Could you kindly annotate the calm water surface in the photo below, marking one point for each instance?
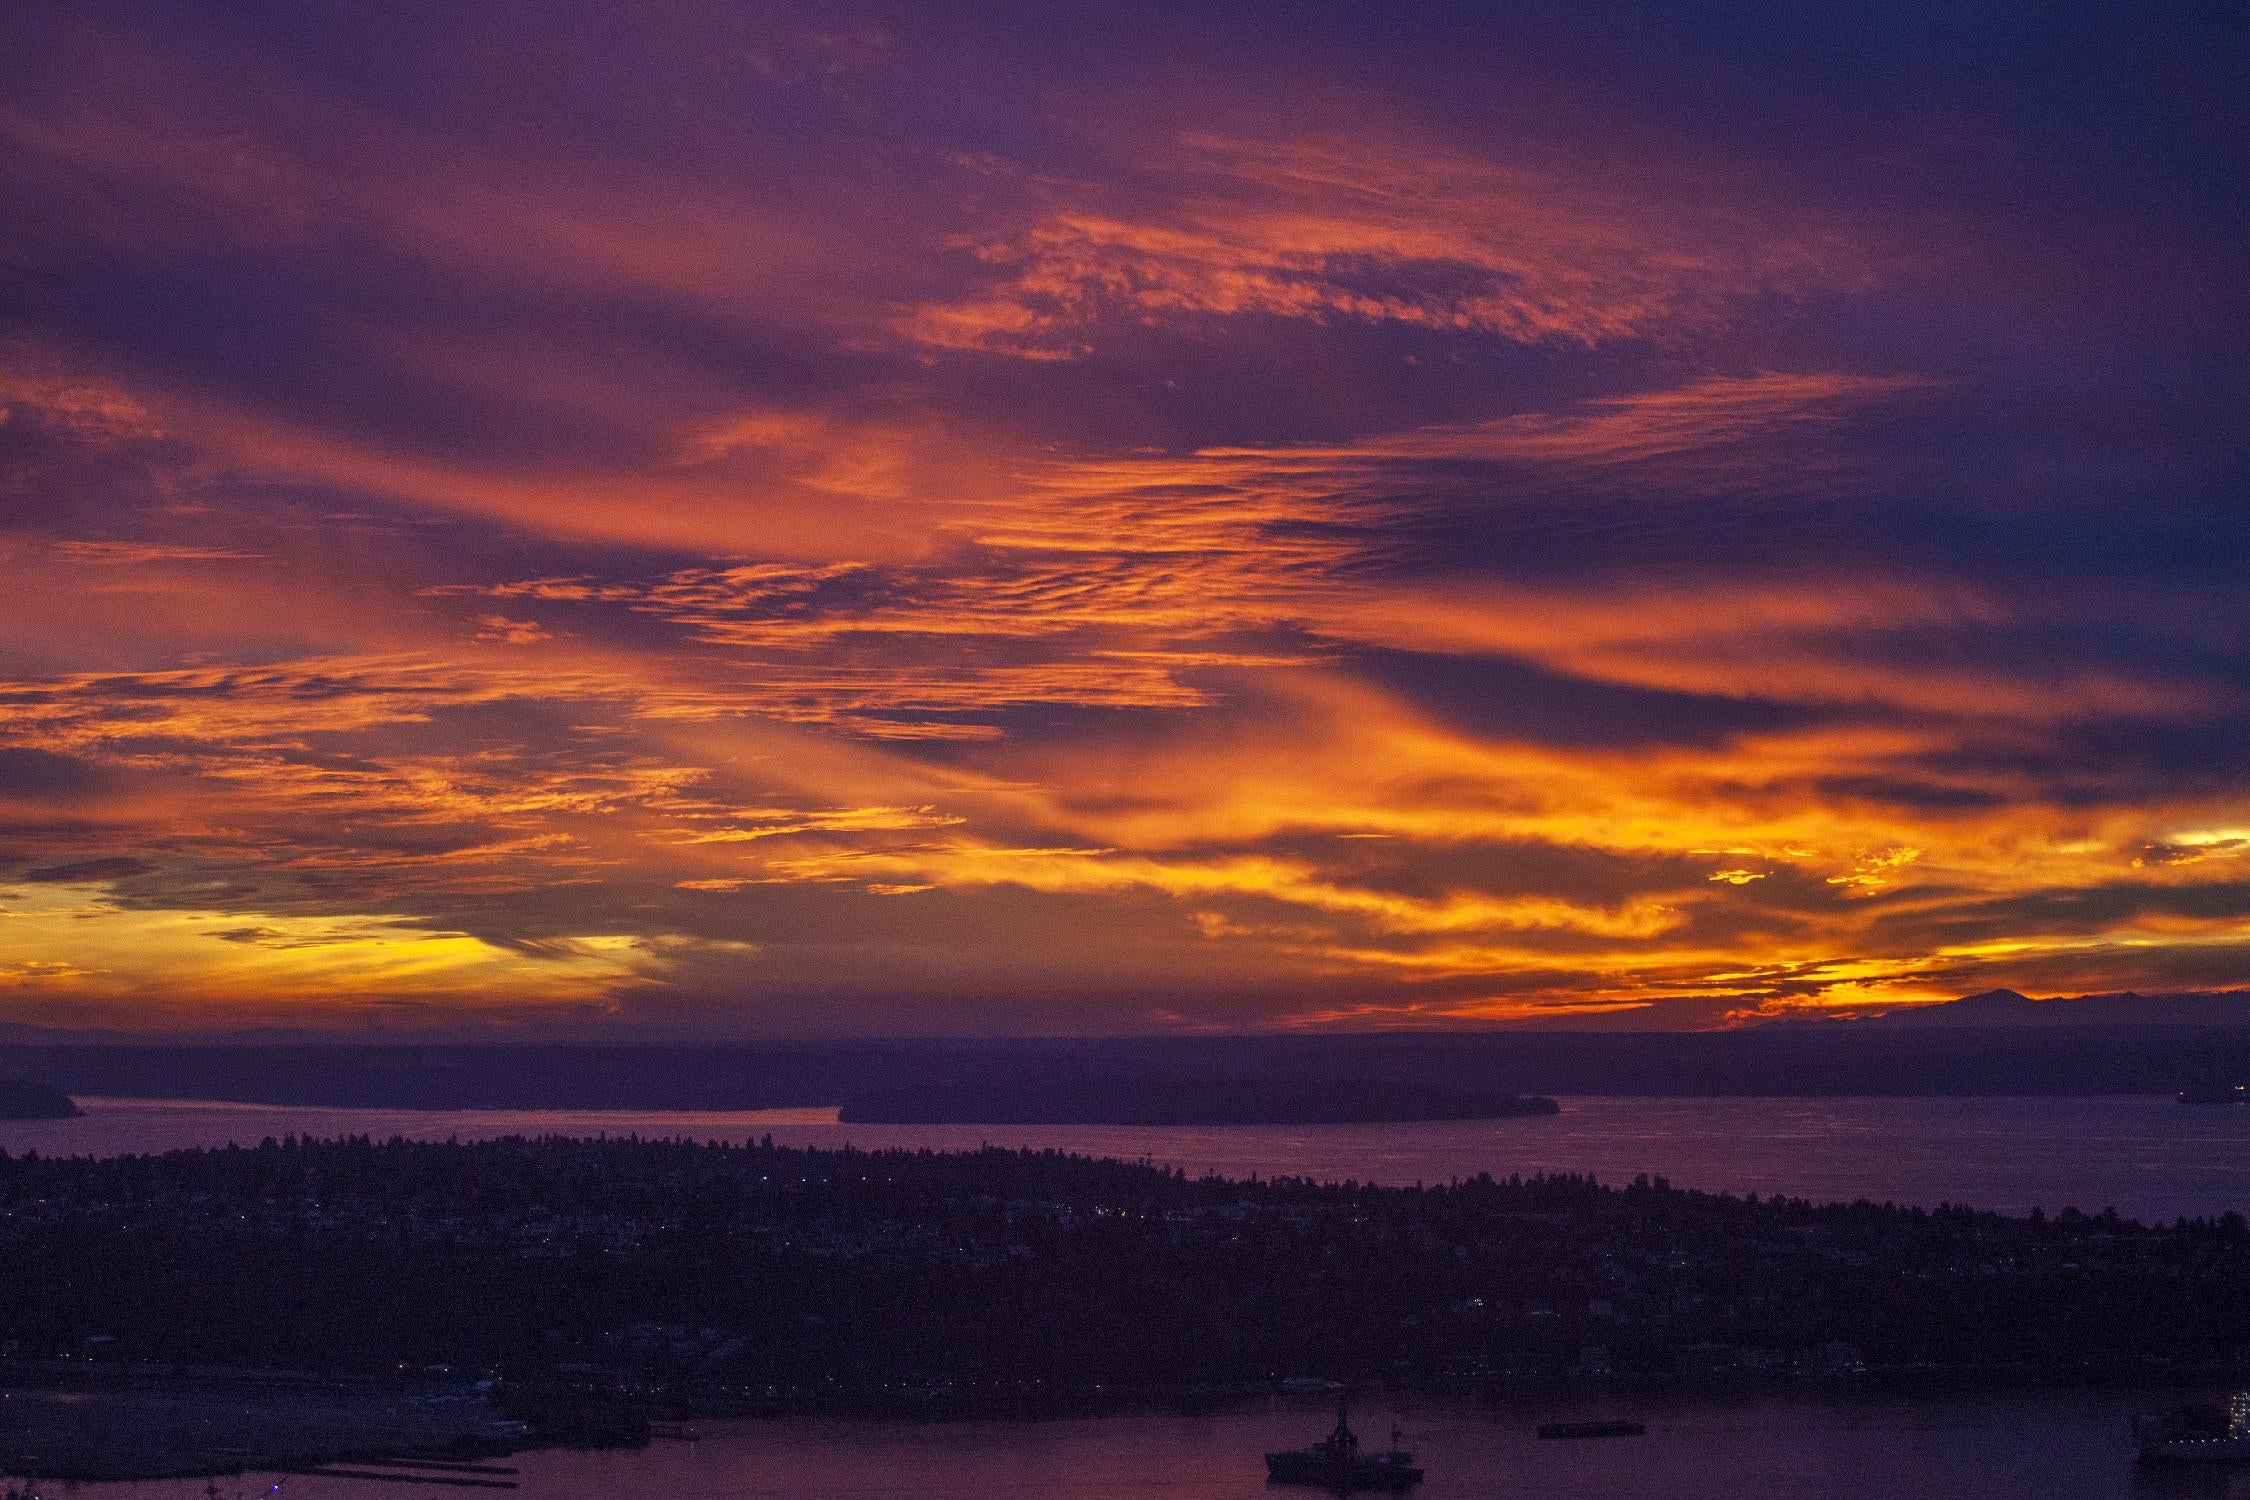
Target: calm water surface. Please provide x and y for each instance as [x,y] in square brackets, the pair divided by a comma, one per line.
[2146,1157]
[2052,1447]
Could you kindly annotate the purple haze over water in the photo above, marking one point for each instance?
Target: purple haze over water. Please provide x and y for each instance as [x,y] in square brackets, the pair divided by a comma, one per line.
[1756,1447]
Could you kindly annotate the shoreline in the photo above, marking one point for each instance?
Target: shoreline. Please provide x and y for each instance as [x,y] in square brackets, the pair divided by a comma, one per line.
[1531,1399]
[2148,1157]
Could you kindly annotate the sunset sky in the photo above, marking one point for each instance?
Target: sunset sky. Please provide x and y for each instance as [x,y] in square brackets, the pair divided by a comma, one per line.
[711,520]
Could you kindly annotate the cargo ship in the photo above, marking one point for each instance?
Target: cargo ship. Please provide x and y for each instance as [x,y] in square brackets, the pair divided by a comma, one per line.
[2204,1432]
[1337,1463]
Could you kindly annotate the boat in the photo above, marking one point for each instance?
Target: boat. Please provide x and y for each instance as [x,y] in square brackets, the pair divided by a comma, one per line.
[1591,1429]
[2216,1094]
[1337,1463]
[2202,1432]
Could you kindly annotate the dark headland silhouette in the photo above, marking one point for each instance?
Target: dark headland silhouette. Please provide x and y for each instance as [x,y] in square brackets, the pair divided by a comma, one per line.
[20,1100]
[1195,1101]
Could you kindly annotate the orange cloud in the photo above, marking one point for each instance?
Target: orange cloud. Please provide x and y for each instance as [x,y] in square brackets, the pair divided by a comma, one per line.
[1293,229]
[858,537]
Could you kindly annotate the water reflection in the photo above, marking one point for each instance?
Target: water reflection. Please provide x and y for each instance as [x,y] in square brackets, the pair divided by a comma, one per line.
[1755,1447]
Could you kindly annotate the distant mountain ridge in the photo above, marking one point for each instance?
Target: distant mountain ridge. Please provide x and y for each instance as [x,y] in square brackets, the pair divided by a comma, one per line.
[1999,1042]
[2010,1008]
[1983,1054]
[1700,1015]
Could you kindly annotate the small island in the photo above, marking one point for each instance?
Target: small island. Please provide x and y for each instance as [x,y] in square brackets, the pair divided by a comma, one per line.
[22,1100]
[1168,1101]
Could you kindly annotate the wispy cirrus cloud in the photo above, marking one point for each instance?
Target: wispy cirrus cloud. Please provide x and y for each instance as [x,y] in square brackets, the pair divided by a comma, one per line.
[1357,230]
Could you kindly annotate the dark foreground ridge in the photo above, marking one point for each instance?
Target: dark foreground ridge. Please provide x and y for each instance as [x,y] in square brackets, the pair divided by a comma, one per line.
[599,1283]
[34,1101]
[1143,1101]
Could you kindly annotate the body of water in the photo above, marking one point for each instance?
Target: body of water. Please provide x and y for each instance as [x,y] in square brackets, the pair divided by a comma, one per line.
[2145,1157]
[1759,1448]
